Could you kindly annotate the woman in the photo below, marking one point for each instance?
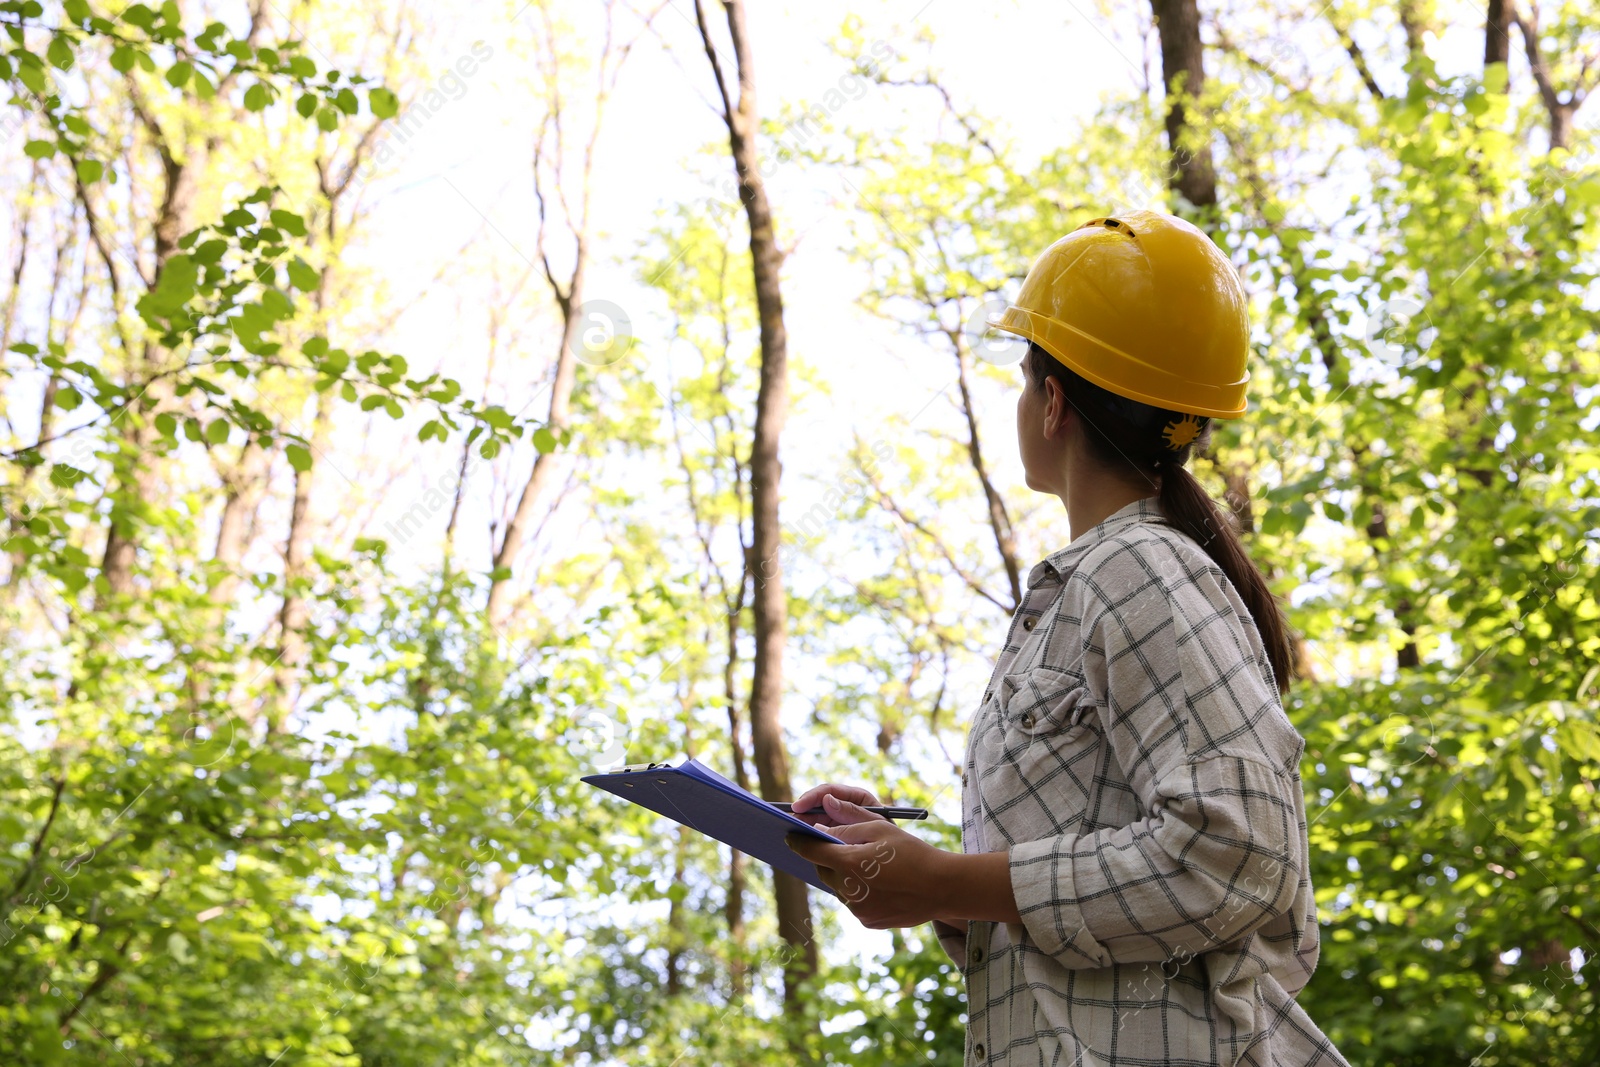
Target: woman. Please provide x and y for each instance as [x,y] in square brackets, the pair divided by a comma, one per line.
[1133,885]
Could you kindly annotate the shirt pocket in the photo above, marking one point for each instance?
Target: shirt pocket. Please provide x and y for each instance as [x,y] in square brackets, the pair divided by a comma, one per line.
[1046,754]
[1045,703]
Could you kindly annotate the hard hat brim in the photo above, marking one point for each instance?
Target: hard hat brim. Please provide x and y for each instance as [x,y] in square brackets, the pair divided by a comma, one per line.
[1088,356]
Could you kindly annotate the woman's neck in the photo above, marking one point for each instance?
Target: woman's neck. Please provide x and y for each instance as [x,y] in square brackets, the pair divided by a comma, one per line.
[1093,496]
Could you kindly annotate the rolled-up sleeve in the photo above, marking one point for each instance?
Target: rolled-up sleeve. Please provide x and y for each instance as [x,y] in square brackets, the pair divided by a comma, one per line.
[1190,715]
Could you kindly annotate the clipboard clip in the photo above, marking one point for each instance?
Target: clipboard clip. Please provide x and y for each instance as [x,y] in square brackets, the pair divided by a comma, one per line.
[627,767]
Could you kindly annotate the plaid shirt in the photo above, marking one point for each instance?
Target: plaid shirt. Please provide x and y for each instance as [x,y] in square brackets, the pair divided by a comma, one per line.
[1132,754]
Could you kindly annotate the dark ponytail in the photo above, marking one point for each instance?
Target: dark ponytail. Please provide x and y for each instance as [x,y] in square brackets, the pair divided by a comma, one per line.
[1139,438]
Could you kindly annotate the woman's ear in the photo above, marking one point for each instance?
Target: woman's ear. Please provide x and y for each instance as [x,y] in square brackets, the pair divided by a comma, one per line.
[1056,410]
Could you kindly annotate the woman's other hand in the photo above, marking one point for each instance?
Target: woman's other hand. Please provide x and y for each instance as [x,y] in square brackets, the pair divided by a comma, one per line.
[886,876]
[812,798]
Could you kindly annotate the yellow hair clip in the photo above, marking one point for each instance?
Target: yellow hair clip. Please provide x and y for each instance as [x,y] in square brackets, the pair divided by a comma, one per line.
[1182,432]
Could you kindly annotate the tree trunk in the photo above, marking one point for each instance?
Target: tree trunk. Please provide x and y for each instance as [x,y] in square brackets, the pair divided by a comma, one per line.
[734,908]
[1183,73]
[999,518]
[570,302]
[1559,110]
[243,484]
[8,316]
[772,407]
[1497,31]
[134,478]
[134,483]
[676,937]
[521,523]
[1413,20]
[296,552]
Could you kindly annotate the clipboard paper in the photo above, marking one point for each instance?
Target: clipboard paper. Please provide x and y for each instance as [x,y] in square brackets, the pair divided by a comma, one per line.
[701,799]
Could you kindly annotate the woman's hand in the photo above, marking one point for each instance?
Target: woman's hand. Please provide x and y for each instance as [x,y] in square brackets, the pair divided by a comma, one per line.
[887,877]
[812,798]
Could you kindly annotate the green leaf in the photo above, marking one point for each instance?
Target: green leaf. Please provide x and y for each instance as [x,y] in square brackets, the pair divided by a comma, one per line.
[384,104]
[174,288]
[288,220]
[59,52]
[544,440]
[209,252]
[346,101]
[39,149]
[65,476]
[327,119]
[217,432]
[68,398]
[90,170]
[306,105]
[179,73]
[305,278]
[32,76]
[277,305]
[257,97]
[299,457]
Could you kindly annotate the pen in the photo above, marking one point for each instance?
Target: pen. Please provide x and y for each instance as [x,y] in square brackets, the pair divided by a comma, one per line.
[888,813]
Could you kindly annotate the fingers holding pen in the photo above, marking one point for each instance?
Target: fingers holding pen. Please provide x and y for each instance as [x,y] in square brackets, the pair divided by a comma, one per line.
[855,794]
[821,796]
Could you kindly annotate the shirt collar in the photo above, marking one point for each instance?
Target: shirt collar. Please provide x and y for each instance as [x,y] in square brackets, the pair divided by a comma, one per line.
[1058,564]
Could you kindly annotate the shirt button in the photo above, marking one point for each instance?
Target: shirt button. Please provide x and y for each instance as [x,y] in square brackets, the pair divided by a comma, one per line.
[1027,722]
[1028,624]
[978,1051]
[977,955]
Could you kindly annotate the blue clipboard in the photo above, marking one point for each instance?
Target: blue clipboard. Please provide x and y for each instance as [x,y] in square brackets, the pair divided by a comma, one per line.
[703,800]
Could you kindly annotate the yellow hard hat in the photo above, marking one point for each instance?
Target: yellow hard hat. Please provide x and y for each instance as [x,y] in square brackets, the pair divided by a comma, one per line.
[1142,304]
